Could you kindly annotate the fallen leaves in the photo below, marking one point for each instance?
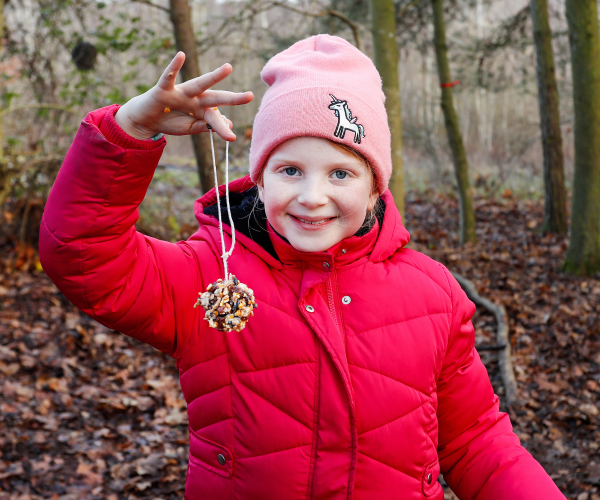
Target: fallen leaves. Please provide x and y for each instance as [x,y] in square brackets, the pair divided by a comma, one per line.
[85,412]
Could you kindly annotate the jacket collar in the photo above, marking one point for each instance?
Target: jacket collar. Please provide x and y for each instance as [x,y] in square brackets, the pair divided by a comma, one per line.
[378,244]
[345,252]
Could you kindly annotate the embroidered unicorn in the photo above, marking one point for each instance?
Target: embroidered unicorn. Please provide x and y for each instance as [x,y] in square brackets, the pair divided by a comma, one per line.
[345,120]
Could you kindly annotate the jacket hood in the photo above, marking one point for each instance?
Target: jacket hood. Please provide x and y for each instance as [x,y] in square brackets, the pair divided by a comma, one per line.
[392,233]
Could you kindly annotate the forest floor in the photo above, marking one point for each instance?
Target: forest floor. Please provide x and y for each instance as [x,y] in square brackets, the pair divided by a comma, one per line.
[86,413]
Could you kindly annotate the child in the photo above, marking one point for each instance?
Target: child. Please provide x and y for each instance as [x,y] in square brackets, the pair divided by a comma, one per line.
[357,377]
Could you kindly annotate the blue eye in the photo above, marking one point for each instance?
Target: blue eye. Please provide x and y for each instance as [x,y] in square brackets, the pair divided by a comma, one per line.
[291,170]
[340,174]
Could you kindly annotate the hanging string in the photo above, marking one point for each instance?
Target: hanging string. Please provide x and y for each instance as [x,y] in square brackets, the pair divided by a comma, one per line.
[228,303]
[226,254]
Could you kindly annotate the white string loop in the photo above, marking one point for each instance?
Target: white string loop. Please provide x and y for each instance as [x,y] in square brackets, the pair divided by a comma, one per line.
[226,254]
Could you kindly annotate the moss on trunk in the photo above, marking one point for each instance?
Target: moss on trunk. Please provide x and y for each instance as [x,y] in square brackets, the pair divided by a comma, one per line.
[555,207]
[383,27]
[459,155]
[583,255]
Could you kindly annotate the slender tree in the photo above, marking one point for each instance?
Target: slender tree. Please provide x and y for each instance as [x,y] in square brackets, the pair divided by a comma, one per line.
[383,27]
[184,39]
[1,47]
[555,207]
[583,255]
[459,155]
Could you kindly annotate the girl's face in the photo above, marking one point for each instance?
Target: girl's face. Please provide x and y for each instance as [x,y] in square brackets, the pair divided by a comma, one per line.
[315,194]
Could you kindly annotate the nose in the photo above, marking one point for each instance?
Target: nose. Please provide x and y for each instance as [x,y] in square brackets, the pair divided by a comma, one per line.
[313,194]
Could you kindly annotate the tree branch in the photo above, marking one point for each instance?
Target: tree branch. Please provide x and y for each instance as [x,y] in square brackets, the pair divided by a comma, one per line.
[323,13]
[504,355]
[148,2]
[206,43]
[403,10]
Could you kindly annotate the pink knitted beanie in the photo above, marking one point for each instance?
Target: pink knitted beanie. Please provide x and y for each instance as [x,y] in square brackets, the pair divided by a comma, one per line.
[323,87]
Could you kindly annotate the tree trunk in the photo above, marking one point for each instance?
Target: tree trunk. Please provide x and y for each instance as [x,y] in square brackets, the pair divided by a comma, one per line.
[383,27]
[459,155]
[555,207]
[583,255]
[1,47]
[184,39]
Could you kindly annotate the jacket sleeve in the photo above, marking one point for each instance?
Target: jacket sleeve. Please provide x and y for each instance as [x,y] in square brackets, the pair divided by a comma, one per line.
[140,286]
[480,456]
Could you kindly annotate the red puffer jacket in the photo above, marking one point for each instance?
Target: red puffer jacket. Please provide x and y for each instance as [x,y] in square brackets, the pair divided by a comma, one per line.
[356,378]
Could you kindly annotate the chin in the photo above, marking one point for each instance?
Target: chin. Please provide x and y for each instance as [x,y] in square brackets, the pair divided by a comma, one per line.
[310,245]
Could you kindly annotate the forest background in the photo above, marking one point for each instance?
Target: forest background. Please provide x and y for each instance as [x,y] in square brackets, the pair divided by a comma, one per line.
[86,413]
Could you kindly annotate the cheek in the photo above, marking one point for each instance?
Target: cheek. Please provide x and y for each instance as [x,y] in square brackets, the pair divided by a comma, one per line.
[354,202]
[275,199]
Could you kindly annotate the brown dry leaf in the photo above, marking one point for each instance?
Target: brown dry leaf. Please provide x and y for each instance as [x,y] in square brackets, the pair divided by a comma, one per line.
[89,476]
[567,310]
[176,417]
[9,370]
[42,465]
[173,399]
[589,409]
[13,470]
[23,391]
[545,385]
[151,465]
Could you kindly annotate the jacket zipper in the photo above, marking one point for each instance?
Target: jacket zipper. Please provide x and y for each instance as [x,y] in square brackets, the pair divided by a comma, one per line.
[331,286]
[330,283]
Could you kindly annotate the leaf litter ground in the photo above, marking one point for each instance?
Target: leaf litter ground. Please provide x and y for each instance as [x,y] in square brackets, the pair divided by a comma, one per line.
[87,413]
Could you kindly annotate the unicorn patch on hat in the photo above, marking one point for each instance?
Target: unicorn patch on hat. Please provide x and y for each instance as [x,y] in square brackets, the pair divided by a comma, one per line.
[345,120]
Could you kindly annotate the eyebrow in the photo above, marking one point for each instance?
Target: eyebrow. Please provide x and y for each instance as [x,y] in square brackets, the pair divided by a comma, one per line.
[283,159]
[350,163]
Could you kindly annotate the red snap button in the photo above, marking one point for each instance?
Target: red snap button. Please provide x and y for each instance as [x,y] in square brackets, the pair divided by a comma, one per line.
[429,478]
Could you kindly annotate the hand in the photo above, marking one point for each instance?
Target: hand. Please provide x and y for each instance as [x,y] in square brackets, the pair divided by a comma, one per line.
[181,109]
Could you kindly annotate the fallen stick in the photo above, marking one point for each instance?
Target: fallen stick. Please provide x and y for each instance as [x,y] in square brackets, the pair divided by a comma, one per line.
[504,355]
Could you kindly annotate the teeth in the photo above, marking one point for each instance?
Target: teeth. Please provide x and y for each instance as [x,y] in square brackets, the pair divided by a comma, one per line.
[309,222]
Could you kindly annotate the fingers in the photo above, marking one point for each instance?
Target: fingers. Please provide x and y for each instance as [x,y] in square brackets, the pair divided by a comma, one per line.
[201,126]
[219,123]
[212,98]
[196,86]
[169,76]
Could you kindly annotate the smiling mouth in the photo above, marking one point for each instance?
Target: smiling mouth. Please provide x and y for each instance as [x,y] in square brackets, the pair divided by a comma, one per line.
[314,223]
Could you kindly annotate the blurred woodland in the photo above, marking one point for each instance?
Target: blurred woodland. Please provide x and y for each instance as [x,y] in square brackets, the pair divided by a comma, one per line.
[494,108]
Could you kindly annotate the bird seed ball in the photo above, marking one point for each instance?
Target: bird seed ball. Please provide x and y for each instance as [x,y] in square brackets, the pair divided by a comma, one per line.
[228,304]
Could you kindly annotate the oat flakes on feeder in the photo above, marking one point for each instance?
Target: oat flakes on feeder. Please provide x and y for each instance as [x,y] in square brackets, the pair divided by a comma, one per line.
[228,304]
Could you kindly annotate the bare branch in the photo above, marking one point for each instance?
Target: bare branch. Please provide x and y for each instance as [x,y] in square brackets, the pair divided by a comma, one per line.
[504,353]
[403,10]
[350,24]
[148,2]
[323,13]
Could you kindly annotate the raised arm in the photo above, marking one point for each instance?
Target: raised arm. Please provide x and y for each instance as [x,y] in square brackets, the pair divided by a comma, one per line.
[89,247]
[480,456]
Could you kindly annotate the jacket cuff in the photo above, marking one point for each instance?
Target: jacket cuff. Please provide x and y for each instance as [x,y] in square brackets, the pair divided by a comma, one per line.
[115,134]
